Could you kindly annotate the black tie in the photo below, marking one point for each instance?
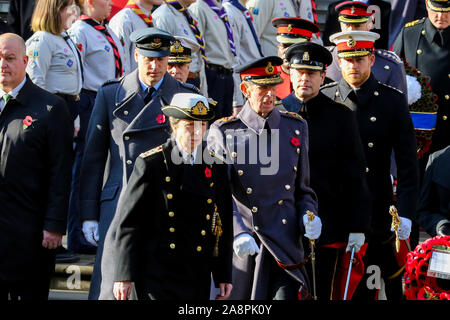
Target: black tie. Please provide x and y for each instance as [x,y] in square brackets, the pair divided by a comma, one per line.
[148,97]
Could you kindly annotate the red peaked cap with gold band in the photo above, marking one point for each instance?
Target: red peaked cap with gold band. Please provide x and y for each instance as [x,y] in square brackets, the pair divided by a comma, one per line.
[294,30]
[353,12]
[354,43]
[263,71]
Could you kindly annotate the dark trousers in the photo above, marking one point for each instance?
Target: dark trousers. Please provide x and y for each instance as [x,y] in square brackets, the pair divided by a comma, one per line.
[75,238]
[281,285]
[381,254]
[36,284]
[221,89]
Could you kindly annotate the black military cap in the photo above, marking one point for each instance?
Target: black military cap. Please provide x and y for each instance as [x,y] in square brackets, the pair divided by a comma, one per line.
[190,106]
[294,30]
[182,49]
[263,71]
[439,5]
[353,12]
[152,42]
[308,55]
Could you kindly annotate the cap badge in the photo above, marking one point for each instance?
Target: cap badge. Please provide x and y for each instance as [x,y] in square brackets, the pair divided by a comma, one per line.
[269,69]
[353,10]
[156,43]
[351,42]
[305,56]
[289,27]
[199,109]
[176,47]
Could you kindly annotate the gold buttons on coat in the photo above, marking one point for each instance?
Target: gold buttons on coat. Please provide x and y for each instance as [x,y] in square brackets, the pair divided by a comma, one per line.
[126,138]
[199,249]
[234,154]
[444,118]
[208,217]
[172,230]
[125,112]
[167,179]
[280,202]
[129,162]
[171,214]
[337,94]
[423,32]
[169,196]
[376,93]
[240,172]
[367,169]
[256,228]
[287,187]
[284,221]
[295,168]
[249,190]
[211,184]
[419,51]
[370,144]
[254,209]
[298,150]
[209,201]
[172,246]
[229,136]
[386,67]
[203,233]
[373,119]
[297,132]
[447,97]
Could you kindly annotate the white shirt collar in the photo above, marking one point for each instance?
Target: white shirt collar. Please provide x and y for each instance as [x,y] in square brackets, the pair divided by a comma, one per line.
[187,157]
[14,92]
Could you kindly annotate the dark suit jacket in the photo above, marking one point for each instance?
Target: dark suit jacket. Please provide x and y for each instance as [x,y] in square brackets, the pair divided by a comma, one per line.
[332,24]
[337,166]
[19,17]
[165,243]
[434,202]
[35,175]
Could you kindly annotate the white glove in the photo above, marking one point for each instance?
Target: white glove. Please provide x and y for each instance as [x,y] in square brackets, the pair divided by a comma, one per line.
[245,245]
[355,240]
[312,228]
[90,231]
[405,228]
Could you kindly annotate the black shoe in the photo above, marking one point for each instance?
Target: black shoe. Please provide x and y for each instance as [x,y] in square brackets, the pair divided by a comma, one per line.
[65,256]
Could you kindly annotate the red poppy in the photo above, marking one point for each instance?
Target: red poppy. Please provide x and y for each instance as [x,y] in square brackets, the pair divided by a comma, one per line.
[161,118]
[80,47]
[208,173]
[27,122]
[295,141]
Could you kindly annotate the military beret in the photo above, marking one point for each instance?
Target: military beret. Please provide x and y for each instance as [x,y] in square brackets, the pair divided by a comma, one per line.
[294,30]
[152,42]
[354,43]
[353,12]
[308,55]
[190,106]
[439,5]
[263,71]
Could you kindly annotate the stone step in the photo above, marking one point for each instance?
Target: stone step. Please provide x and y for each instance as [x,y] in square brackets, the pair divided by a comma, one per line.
[73,276]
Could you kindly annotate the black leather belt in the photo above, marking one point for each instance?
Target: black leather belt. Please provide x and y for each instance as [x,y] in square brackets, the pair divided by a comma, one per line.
[69,97]
[219,69]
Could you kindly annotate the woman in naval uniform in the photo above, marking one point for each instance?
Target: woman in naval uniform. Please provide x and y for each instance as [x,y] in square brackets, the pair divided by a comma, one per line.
[175,216]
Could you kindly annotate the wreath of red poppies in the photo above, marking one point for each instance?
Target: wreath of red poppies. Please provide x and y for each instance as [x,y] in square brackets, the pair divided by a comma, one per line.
[419,286]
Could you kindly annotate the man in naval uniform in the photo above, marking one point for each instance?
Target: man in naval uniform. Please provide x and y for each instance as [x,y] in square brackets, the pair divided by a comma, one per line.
[384,124]
[388,68]
[337,162]
[180,57]
[267,153]
[126,120]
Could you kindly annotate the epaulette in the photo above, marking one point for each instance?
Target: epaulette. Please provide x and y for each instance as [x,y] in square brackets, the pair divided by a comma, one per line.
[329,85]
[190,87]
[291,114]
[111,81]
[390,55]
[386,85]
[151,152]
[412,23]
[225,119]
